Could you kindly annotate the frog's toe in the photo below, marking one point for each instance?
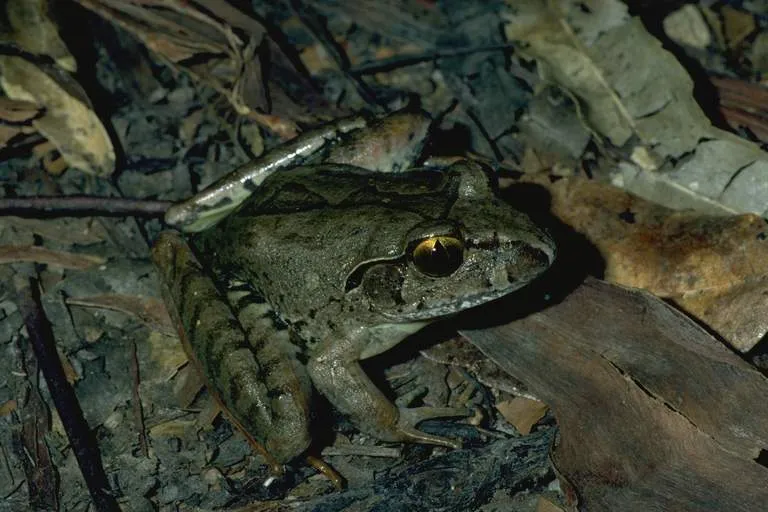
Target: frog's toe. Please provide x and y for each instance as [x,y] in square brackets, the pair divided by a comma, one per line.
[411,417]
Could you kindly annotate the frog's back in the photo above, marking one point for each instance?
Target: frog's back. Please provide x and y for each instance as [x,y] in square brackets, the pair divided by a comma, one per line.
[305,230]
[337,186]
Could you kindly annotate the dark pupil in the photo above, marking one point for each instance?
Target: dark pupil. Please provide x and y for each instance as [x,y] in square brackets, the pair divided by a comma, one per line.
[439,260]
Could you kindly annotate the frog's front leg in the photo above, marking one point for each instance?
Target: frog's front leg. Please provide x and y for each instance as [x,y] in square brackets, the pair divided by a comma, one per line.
[260,387]
[336,372]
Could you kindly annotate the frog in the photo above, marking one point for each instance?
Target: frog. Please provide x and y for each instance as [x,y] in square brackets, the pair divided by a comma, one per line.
[329,256]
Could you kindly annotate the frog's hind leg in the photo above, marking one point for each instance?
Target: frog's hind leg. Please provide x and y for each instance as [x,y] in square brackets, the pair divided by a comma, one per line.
[289,388]
[336,373]
[257,386]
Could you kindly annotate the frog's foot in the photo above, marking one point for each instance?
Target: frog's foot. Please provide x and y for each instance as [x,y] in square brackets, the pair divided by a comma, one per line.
[409,418]
[345,384]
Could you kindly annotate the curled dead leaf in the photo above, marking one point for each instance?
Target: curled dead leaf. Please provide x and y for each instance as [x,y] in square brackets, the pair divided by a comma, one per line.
[714,267]
[224,48]
[36,254]
[32,29]
[69,121]
[191,38]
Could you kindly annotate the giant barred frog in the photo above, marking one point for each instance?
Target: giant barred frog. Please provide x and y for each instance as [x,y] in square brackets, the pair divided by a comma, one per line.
[330,263]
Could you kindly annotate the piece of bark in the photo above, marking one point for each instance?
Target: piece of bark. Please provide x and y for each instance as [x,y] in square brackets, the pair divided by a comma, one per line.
[654,413]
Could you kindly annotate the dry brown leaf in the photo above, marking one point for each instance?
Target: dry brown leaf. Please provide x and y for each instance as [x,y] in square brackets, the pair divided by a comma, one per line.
[66,230]
[92,334]
[738,25]
[190,383]
[172,428]
[208,413]
[687,26]
[736,313]
[167,352]
[35,254]
[316,58]
[190,125]
[69,371]
[69,121]
[216,44]
[191,39]
[523,413]
[653,247]
[149,310]
[251,137]
[635,94]
[544,505]
[8,407]
[712,266]
[32,29]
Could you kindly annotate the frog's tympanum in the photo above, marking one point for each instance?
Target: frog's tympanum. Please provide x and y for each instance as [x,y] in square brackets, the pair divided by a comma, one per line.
[331,262]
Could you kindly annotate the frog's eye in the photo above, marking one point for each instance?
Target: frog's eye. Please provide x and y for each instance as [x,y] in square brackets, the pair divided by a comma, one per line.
[438,256]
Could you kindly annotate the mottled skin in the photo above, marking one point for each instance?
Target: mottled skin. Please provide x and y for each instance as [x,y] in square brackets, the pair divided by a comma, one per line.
[321,274]
[388,144]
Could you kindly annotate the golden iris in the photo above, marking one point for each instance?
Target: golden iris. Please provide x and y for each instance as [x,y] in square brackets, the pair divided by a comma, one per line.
[438,256]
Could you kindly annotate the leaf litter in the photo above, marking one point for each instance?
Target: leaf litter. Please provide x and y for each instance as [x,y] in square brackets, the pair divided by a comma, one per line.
[579,92]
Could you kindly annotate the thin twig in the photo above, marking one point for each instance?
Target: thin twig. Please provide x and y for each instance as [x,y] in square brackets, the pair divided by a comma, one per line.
[363,450]
[138,413]
[77,206]
[399,61]
[318,28]
[79,434]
